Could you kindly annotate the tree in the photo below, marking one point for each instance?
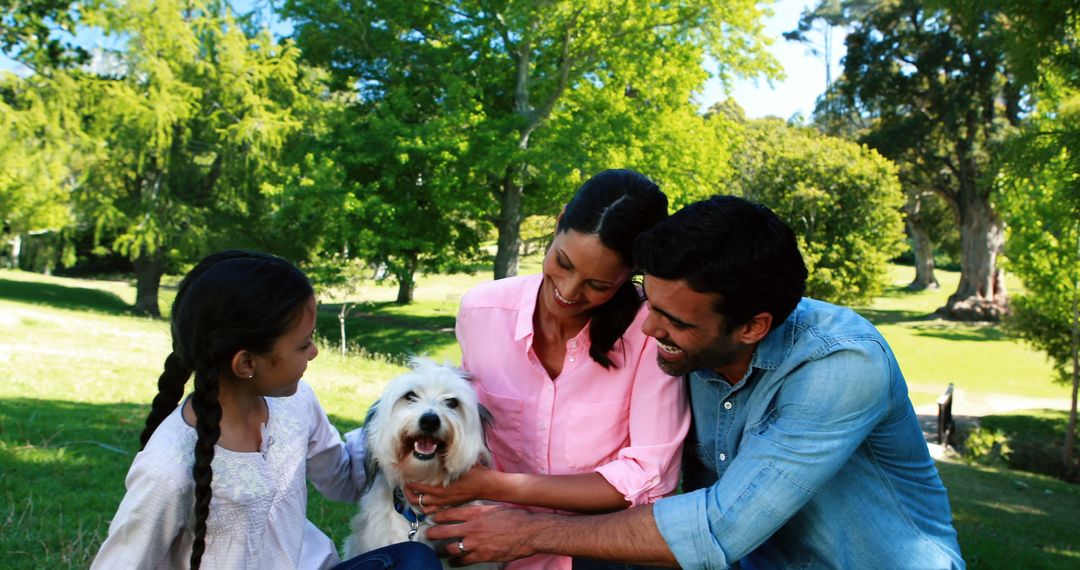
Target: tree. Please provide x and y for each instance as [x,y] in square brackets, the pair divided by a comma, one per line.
[935,81]
[1040,192]
[841,198]
[29,30]
[505,71]
[1042,205]
[40,154]
[191,128]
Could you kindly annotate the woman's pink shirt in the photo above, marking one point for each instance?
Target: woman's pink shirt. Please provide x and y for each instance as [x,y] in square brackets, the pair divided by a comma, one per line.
[626,423]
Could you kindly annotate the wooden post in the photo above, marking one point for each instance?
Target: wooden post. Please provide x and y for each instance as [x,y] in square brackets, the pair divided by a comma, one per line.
[945,422]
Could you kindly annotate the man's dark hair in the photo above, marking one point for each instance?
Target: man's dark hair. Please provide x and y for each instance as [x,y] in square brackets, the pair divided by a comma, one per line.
[730,246]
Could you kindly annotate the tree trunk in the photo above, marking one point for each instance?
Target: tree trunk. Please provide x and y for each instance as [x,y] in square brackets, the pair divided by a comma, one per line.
[407,280]
[923,249]
[506,256]
[1070,431]
[16,250]
[980,295]
[149,268]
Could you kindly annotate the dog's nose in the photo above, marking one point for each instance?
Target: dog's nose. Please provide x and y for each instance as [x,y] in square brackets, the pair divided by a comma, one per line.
[429,422]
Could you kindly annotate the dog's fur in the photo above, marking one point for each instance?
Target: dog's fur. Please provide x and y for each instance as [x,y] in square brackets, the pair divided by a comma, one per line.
[426,427]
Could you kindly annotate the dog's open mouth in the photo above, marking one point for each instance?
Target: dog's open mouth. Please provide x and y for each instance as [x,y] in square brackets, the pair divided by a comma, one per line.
[426,448]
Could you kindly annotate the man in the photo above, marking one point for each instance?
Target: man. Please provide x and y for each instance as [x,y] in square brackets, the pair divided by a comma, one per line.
[805,450]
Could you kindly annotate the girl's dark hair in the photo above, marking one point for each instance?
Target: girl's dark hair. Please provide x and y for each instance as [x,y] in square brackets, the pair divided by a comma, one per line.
[615,206]
[232,300]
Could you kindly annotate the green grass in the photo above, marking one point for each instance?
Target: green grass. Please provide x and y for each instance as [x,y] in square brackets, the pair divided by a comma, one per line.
[976,357]
[1012,519]
[79,372]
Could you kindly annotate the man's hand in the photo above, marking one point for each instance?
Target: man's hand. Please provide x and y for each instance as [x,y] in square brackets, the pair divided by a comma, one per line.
[490,533]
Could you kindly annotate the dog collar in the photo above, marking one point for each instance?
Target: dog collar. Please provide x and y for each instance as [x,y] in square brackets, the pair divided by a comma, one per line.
[405,509]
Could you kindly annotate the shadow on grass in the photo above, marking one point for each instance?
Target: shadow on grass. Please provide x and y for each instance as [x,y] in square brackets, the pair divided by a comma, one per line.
[1037,440]
[1011,519]
[62,297]
[62,468]
[377,328]
[952,330]
[889,317]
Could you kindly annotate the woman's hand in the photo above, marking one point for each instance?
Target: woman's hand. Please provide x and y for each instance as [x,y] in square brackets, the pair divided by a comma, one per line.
[477,483]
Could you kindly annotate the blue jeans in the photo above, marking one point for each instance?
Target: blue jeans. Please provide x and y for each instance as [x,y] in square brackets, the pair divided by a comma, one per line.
[400,556]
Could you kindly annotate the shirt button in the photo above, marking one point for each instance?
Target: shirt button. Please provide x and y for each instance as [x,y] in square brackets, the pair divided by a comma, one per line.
[727,405]
[571,359]
[573,344]
[723,457]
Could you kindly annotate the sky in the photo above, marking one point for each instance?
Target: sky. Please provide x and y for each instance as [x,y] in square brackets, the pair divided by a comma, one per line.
[805,73]
[804,81]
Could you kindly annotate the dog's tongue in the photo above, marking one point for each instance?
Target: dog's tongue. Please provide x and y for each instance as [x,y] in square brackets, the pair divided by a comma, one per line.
[425,446]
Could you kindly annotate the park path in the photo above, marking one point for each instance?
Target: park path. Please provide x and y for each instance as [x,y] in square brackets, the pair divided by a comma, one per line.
[968,408]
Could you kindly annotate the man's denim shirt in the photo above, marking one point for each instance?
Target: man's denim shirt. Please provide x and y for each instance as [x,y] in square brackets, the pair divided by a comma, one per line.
[814,459]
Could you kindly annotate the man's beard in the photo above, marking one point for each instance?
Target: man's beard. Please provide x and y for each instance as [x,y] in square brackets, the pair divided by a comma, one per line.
[711,358]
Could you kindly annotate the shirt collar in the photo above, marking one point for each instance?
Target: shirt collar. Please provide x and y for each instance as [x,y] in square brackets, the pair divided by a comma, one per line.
[776,346]
[527,306]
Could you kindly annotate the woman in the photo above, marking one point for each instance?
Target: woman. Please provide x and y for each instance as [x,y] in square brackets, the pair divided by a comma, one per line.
[585,420]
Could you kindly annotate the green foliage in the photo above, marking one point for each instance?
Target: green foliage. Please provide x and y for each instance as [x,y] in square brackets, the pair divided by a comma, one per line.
[932,88]
[40,144]
[987,447]
[842,200]
[37,32]
[1039,182]
[1042,205]
[194,136]
[471,115]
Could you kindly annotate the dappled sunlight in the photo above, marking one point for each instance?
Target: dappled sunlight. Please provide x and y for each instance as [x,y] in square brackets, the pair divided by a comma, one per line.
[1014,508]
[1000,514]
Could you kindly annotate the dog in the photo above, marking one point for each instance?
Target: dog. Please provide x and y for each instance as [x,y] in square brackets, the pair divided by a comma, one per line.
[427,426]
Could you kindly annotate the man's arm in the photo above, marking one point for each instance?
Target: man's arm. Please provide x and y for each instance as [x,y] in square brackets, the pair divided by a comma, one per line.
[498,534]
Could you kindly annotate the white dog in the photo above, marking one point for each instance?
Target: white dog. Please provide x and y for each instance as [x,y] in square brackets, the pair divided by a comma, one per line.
[427,427]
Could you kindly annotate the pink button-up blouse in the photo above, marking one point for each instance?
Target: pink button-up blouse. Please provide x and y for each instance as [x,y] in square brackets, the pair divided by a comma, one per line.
[626,423]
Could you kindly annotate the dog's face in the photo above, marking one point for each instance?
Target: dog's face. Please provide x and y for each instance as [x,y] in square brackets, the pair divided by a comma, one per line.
[427,426]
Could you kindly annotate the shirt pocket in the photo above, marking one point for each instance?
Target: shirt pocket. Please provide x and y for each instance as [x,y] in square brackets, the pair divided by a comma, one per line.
[595,433]
[506,437]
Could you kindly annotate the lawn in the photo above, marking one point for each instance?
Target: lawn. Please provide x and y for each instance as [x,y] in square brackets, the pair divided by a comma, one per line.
[79,373]
[977,357]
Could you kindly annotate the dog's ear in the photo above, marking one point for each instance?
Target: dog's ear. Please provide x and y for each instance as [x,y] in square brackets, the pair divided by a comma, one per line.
[371,464]
[465,374]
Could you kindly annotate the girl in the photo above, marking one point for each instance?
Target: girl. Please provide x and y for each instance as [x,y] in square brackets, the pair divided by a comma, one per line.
[585,420]
[221,479]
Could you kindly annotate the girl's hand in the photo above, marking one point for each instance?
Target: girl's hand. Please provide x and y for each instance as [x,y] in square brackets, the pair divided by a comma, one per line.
[477,483]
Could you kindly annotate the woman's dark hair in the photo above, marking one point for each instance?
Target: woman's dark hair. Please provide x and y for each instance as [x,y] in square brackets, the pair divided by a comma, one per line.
[730,246]
[232,300]
[615,206]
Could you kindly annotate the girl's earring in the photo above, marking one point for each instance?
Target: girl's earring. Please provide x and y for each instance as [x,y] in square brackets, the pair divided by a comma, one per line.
[250,376]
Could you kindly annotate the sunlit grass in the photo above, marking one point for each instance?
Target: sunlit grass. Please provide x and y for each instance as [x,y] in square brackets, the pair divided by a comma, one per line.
[933,352]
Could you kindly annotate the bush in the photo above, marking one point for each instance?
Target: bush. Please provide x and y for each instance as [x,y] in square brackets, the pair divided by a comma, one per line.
[842,200]
[1036,438]
[987,447]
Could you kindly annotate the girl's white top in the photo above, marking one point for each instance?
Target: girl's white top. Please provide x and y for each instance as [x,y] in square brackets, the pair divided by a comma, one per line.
[258,513]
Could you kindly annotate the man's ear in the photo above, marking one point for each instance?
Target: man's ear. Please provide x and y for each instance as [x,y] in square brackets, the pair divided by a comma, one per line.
[243,364]
[756,328]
